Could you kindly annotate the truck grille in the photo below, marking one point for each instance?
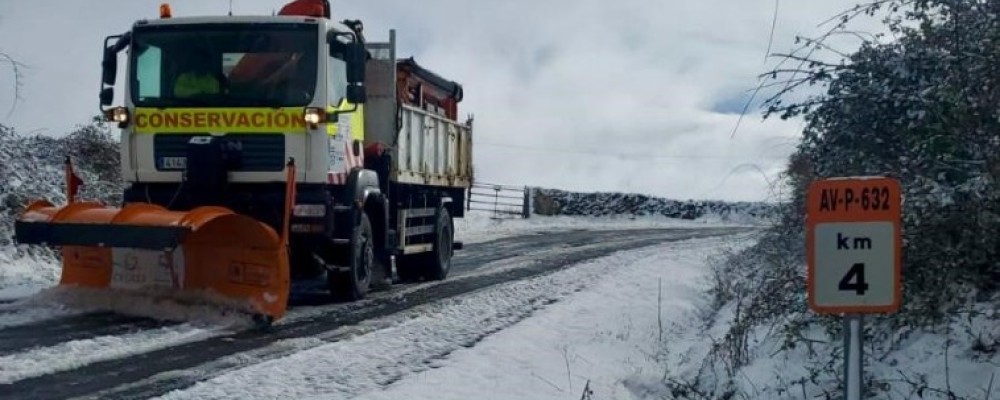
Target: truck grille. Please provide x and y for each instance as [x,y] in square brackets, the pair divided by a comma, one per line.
[260,152]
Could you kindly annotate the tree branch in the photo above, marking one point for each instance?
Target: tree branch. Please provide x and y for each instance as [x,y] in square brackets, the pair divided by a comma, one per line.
[17,67]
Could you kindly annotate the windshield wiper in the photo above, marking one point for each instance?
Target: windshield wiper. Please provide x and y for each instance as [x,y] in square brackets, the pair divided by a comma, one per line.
[268,102]
[175,102]
[206,101]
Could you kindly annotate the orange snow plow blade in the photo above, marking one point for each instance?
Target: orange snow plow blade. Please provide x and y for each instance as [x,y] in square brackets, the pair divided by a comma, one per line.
[208,251]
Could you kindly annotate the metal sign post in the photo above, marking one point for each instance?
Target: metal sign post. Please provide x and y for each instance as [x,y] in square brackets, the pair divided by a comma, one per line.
[853,350]
[853,245]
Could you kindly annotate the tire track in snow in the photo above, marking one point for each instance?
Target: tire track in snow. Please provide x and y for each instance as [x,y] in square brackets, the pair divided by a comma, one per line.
[76,353]
[43,318]
[49,333]
[415,340]
[160,371]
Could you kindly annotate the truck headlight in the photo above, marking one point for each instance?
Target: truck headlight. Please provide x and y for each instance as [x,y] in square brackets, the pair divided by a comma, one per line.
[309,210]
[313,116]
[117,114]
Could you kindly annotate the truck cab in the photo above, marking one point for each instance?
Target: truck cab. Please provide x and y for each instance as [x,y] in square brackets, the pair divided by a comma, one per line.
[217,109]
[271,87]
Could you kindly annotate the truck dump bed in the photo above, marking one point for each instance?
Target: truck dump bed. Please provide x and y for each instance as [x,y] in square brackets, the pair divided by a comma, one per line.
[413,112]
[432,150]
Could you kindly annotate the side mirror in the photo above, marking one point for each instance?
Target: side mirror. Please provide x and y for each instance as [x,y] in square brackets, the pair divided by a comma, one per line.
[356,94]
[109,67]
[355,56]
[107,96]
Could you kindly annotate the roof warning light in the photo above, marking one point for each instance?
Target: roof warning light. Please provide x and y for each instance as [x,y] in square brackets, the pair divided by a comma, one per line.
[165,10]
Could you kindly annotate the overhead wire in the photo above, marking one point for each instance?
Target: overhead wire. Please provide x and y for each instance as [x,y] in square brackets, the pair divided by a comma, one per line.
[606,153]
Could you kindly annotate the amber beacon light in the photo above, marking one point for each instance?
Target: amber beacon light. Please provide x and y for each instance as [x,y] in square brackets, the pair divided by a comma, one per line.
[165,10]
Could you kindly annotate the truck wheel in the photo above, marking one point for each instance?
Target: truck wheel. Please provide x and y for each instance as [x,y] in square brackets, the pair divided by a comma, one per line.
[355,283]
[439,260]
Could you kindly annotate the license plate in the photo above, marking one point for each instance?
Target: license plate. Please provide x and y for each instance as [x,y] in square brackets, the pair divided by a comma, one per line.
[173,162]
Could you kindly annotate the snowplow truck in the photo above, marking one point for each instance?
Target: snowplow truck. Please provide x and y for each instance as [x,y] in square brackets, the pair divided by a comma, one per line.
[262,150]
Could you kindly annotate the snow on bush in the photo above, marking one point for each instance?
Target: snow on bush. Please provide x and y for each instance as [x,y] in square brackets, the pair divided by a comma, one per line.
[922,107]
[560,202]
[32,168]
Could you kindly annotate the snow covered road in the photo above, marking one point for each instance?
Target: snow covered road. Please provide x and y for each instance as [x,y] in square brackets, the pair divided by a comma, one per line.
[543,337]
[347,350]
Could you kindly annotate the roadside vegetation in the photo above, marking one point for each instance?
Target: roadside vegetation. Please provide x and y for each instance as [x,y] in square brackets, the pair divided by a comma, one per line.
[920,103]
[33,168]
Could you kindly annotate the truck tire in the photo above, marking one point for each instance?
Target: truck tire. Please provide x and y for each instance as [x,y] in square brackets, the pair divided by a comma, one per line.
[354,284]
[435,264]
[439,260]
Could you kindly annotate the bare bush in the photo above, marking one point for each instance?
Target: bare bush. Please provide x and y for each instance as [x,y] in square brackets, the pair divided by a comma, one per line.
[33,168]
[17,72]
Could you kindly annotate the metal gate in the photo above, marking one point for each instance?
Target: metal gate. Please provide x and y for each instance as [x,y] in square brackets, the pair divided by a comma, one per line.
[503,201]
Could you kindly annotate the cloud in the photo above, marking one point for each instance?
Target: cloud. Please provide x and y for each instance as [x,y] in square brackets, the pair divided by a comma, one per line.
[634,95]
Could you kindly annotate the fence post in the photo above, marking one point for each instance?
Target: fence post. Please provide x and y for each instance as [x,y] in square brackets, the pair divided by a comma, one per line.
[468,197]
[526,210]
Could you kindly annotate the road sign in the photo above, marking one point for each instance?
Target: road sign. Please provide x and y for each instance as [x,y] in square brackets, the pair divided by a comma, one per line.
[853,245]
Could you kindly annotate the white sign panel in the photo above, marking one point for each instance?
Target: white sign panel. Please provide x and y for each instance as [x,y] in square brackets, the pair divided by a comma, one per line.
[339,144]
[855,264]
[137,269]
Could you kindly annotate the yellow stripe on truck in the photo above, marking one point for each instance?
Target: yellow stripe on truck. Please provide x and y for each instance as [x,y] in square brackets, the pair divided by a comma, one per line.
[229,120]
[356,119]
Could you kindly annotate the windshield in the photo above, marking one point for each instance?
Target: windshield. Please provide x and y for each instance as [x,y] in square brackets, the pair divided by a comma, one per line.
[219,65]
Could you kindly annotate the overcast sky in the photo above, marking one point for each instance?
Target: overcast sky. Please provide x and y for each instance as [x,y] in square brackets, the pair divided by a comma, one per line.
[626,95]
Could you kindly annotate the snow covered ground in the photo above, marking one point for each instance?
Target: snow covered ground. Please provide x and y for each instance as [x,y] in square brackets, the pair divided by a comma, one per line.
[599,324]
[931,363]
[478,226]
[22,277]
[76,353]
[535,339]
[602,338]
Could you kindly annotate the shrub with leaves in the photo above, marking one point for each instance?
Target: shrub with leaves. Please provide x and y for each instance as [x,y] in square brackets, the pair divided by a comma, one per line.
[921,104]
[561,202]
[925,109]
